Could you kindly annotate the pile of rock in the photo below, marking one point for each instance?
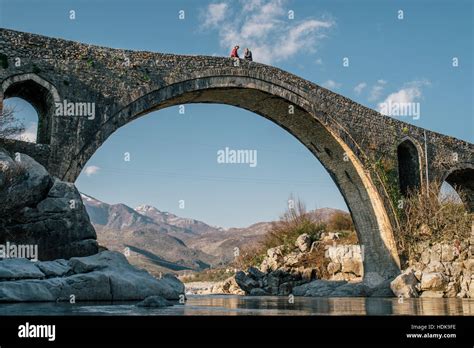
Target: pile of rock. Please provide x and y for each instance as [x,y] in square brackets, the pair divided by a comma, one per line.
[346,262]
[106,276]
[442,270]
[278,282]
[37,209]
[280,273]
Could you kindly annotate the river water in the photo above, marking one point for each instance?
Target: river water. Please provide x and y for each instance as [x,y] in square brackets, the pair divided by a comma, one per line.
[266,305]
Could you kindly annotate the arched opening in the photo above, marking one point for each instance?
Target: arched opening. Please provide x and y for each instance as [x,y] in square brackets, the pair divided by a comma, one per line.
[448,193]
[186,212]
[263,98]
[461,185]
[19,120]
[408,167]
[41,95]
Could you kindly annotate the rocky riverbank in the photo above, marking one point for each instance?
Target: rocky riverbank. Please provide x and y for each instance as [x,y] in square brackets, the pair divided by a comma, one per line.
[106,276]
[441,270]
[311,269]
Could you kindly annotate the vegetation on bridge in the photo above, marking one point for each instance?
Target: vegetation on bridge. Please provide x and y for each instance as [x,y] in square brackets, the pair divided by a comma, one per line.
[431,217]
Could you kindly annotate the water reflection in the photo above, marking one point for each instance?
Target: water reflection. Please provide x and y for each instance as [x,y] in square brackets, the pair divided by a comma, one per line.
[268,305]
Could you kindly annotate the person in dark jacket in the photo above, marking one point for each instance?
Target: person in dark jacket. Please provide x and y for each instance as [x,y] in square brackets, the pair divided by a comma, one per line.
[235,53]
[248,55]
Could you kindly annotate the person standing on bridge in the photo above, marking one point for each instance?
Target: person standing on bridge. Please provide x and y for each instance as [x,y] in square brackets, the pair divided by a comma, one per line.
[248,55]
[235,53]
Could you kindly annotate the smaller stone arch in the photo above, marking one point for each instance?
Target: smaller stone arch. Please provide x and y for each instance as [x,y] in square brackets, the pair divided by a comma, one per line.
[461,178]
[409,165]
[41,94]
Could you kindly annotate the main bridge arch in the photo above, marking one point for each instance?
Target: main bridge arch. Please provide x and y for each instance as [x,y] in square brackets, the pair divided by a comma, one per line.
[292,110]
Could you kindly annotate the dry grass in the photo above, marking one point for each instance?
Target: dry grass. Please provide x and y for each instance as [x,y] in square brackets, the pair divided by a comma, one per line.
[12,173]
[293,223]
[428,217]
[340,221]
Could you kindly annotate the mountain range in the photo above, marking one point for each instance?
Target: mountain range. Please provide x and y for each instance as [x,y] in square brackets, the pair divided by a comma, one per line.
[163,242]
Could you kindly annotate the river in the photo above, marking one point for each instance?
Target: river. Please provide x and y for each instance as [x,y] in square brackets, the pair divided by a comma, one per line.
[246,305]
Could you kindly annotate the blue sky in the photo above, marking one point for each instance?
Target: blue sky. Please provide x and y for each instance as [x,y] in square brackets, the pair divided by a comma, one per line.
[173,156]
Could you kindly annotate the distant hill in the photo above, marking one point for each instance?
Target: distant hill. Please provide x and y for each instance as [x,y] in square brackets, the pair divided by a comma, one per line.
[163,242]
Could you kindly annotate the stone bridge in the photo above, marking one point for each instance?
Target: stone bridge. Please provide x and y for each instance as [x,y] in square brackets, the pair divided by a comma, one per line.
[370,157]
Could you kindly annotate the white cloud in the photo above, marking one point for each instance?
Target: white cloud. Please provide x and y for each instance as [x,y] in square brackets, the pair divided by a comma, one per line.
[377,90]
[215,14]
[91,170]
[411,92]
[319,61]
[330,84]
[30,132]
[263,26]
[359,88]
[301,37]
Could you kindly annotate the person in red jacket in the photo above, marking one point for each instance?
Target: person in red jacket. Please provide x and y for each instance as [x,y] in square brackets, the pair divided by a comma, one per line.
[235,53]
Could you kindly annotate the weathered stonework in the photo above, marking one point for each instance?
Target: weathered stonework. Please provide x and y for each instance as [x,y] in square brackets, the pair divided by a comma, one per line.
[346,137]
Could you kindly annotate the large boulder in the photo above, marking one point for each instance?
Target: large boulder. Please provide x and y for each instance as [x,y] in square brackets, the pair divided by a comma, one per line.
[23,182]
[106,276]
[40,210]
[433,281]
[245,282]
[405,285]
[228,286]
